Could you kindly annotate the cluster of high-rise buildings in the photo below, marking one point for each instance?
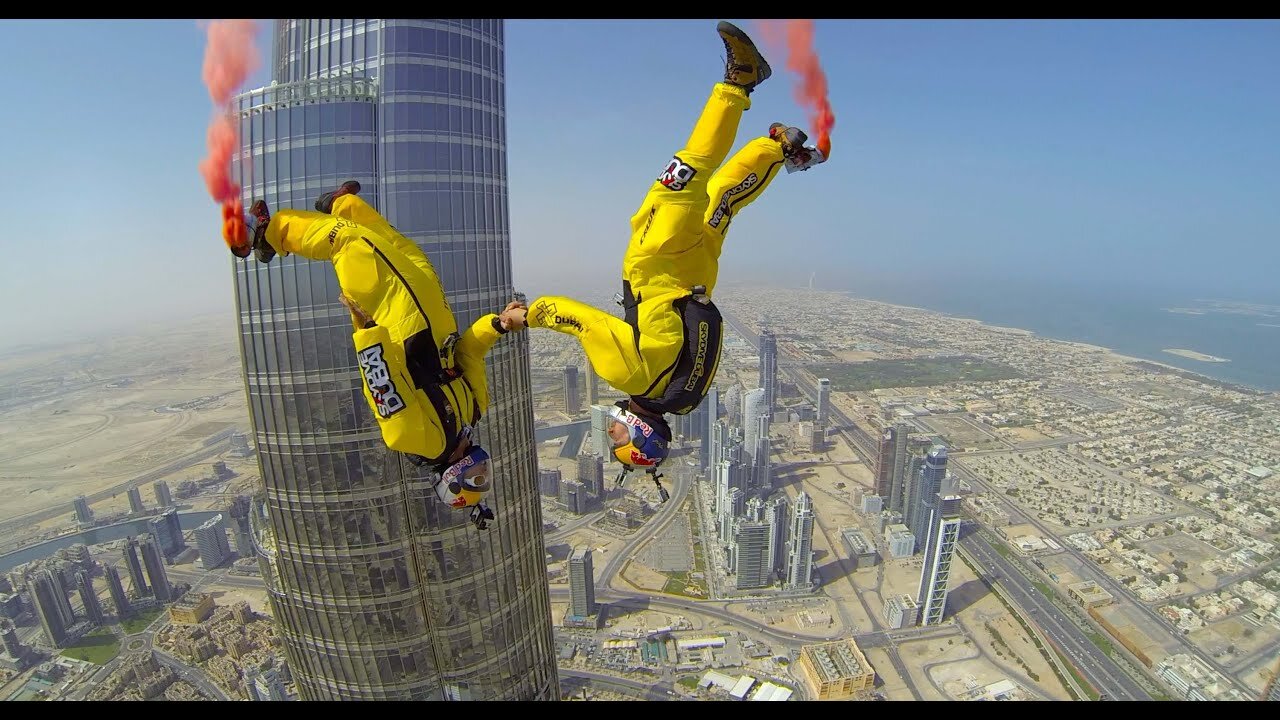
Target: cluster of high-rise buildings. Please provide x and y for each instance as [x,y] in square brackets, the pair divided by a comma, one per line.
[919,511]
[164,499]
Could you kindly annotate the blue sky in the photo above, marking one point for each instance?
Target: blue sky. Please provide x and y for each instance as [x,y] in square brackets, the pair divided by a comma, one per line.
[1072,153]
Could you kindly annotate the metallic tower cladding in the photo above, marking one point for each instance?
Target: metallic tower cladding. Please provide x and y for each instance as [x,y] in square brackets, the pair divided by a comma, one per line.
[380,591]
[769,369]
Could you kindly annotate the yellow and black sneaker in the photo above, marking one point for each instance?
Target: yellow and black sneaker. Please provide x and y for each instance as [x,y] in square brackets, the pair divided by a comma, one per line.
[744,65]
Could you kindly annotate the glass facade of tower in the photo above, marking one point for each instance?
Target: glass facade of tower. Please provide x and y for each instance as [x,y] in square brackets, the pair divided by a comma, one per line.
[381,591]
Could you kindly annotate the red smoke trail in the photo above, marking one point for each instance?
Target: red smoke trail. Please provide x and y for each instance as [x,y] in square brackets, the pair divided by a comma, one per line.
[229,57]
[802,60]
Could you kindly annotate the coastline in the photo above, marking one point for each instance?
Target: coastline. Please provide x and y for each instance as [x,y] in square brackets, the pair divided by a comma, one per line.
[1202,377]
[1193,355]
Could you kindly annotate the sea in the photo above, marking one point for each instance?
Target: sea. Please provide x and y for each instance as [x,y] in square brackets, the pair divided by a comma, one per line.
[1143,324]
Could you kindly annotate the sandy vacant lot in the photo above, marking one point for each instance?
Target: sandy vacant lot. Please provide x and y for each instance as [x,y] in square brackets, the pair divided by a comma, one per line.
[91,416]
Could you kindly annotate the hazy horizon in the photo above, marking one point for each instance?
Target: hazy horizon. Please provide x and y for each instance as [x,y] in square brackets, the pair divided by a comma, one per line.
[1130,158]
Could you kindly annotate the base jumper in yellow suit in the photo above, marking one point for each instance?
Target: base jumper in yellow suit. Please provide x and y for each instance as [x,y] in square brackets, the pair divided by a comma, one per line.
[665,353]
[424,382]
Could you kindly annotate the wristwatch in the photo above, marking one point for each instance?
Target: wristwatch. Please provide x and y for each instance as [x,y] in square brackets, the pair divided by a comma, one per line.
[497,325]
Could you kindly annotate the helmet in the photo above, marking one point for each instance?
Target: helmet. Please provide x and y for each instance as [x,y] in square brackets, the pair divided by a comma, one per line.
[646,443]
[465,482]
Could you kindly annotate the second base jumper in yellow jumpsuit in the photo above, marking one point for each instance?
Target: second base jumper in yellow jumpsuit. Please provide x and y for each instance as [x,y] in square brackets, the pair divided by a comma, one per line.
[424,383]
[664,355]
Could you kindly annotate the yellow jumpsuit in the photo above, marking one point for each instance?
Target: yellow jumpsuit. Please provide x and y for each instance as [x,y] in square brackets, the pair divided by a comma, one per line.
[676,239]
[392,280]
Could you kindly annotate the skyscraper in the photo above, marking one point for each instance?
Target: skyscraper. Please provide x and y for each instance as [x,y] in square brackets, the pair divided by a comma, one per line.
[379,590]
[46,606]
[136,579]
[163,498]
[211,540]
[153,559]
[935,571]
[800,544]
[884,463]
[925,494]
[83,514]
[753,407]
[572,397]
[710,436]
[901,472]
[9,638]
[776,515]
[92,608]
[824,402]
[600,422]
[135,501]
[242,526]
[63,583]
[167,530]
[582,583]
[264,684]
[123,608]
[751,554]
[589,379]
[573,496]
[769,369]
[549,481]
[591,474]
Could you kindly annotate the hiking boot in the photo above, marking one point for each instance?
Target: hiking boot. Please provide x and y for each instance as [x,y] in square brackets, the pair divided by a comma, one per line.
[324,203]
[744,65]
[261,217]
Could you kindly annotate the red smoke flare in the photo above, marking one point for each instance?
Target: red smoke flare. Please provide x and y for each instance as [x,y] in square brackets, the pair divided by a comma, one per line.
[230,56]
[802,60]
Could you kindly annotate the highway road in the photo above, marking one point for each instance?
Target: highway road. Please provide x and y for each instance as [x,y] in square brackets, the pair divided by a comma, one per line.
[1090,572]
[678,487]
[623,685]
[1093,665]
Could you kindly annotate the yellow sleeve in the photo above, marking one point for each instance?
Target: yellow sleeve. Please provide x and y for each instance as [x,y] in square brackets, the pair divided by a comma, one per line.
[469,355]
[608,341]
[404,415]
